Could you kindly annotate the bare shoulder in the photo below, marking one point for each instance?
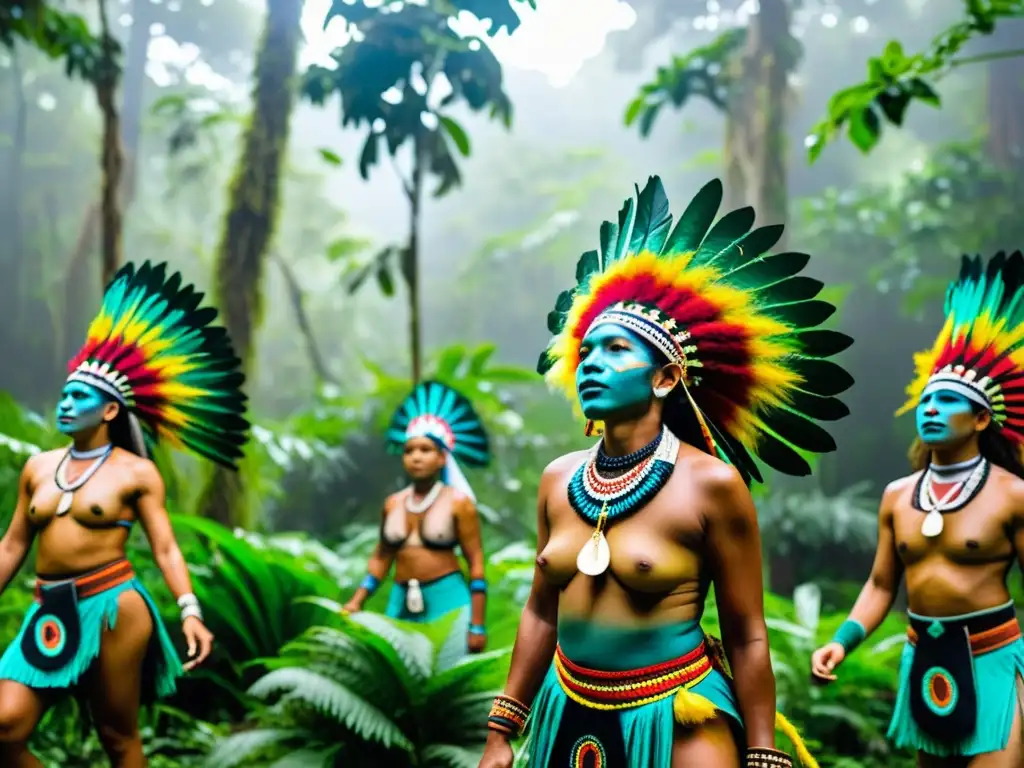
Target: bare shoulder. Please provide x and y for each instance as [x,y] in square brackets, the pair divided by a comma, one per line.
[562,465]
[462,503]
[896,490]
[395,499]
[142,470]
[40,464]
[709,473]
[1010,488]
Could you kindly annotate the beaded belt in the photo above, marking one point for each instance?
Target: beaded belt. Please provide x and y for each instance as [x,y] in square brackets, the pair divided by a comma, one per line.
[986,641]
[599,689]
[94,582]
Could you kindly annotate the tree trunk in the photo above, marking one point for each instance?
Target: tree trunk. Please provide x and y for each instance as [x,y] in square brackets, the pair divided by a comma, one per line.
[1006,99]
[411,260]
[251,217]
[755,143]
[112,158]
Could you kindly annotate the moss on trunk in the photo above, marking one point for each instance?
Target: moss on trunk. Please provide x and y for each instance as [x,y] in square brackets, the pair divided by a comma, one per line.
[251,217]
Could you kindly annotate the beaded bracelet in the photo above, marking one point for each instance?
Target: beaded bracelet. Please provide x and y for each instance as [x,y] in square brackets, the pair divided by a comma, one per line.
[370,583]
[763,757]
[478,585]
[508,716]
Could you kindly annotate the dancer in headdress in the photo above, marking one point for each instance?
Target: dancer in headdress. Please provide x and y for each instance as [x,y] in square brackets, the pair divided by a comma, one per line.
[153,367]
[953,530]
[434,429]
[697,352]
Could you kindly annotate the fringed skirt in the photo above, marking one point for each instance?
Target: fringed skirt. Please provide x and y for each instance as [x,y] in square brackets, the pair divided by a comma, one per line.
[958,689]
[440,597]
[613,696]
[63,631]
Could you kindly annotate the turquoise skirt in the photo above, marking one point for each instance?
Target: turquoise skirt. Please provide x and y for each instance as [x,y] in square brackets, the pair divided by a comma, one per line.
[563,731]
[440,597]
[96,613]
[985,681]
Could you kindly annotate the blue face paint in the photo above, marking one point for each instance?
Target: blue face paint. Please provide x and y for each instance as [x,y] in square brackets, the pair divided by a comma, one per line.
[944,416]
[80,407]
[615,371]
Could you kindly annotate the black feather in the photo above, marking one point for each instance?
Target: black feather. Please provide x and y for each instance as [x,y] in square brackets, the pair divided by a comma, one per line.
[768,270]
[817,407]
[787,291]
[799,431]
[780,457]
[821,377]
[802,314]
[822,343]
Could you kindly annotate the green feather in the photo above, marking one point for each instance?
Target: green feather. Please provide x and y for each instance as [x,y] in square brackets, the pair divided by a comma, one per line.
[767,270]
[787,291]
[696,219]
[802,314]
[653,218]
[609,236]
[627,215]
[726,233]
[564,301]
[822,343]
[588,264]
[556,322]
[800,432]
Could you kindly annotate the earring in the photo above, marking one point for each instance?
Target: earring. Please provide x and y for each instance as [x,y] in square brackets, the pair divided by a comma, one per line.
[662,392]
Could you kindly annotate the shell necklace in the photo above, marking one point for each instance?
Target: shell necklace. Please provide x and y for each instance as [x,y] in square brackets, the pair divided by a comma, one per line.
[959,494]
[602,500]
[60,477]
[418,507]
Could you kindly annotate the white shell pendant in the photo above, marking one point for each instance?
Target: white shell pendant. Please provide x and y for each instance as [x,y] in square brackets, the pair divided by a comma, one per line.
[932,525]
[414,597]
[65,502]
[596,555]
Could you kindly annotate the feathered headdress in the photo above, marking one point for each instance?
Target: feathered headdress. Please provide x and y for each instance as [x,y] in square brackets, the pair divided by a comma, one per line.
[439,412]
[979,351]
[153,349]
[740,324]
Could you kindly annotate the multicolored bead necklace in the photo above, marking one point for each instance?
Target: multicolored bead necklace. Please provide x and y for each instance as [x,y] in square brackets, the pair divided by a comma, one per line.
[600,500]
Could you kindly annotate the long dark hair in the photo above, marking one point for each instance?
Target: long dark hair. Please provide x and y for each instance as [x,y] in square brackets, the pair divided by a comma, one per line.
[992,444]
[125,432]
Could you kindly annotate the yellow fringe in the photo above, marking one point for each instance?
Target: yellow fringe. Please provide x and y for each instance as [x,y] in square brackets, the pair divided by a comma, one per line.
[790,732]
[692,709]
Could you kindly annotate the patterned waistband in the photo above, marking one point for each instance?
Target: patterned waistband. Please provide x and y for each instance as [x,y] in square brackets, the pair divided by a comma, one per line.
[986,641]
[598,689]
[94,582]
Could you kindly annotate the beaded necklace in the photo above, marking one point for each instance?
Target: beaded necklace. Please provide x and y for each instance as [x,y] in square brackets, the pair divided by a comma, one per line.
[601,500]
[959,495]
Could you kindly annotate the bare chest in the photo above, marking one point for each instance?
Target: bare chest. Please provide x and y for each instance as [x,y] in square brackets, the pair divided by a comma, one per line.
[977,533]
[100,502]
[654,549]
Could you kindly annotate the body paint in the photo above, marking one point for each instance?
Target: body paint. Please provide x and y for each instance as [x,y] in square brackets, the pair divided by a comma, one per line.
[615,371]
[80,407]
[944,416]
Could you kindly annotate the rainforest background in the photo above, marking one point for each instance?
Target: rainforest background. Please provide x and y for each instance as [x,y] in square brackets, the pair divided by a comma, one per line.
[402,196]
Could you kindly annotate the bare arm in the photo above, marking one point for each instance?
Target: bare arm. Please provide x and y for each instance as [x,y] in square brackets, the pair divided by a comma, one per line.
[17,540]
[152,513]
[879,593]
[734,548]
[468,525]
[535,641]
[378,567]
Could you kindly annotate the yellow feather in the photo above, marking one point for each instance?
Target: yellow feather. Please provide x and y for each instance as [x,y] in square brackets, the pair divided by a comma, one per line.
[691,708]
[790,732]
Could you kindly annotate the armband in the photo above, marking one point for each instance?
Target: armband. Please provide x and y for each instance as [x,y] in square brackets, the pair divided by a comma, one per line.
[508,716]
[478,585]
[477,629]
[850,634]
[763,757]
[370,583]
[189,606]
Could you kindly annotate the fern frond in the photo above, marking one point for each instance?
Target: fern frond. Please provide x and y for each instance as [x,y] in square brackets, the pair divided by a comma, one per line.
[334,700]
[238,748]
[450,756]
[309,758]
[413,648]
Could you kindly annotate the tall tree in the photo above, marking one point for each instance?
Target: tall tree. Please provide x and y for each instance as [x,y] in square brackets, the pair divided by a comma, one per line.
[108,73]
[744,73]
[389,78]
[249,224]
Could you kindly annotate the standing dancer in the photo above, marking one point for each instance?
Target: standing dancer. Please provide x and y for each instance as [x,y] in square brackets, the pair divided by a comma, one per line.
[423,524]
[695,351]
[151,359]
[954,529]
